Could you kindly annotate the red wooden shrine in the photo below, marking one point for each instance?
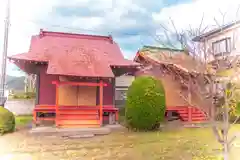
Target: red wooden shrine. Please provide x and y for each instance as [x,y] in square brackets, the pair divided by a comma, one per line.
[151,58]
[75,77]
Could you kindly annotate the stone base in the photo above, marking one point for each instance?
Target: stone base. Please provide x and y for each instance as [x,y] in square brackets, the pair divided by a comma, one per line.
[75,132]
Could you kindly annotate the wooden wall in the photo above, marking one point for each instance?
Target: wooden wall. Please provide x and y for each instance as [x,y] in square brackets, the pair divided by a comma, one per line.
[70,95]
[108,94]
[76,95]
[124,80]
[47,91]
[87,95]
[172,89]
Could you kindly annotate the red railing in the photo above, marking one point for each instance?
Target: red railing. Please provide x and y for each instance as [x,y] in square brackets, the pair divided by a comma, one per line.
[189,113]
[73,114]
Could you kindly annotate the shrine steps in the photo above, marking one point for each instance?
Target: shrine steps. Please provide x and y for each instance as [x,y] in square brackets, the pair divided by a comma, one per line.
[77,118]
[77,126]
[73,116]
[189,114]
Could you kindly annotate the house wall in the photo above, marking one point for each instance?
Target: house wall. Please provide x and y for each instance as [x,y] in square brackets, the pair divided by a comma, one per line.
[172,88]
[233,33]
[122,85]
[20,106]
[124,81]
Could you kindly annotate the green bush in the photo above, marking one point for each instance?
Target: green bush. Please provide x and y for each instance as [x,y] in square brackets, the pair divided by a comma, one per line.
[7,121]
[28,95]
[145,105]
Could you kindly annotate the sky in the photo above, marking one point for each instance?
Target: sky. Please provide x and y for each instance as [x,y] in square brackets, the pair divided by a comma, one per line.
[132,23]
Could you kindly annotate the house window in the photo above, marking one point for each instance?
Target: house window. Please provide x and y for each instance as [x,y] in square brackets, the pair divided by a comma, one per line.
[222,47]
[121,94]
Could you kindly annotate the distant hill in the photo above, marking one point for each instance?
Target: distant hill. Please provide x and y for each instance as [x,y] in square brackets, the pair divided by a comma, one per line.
[15,83]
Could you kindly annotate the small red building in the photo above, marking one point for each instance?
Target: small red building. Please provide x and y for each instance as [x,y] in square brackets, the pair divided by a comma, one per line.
[177,71]
[75,77]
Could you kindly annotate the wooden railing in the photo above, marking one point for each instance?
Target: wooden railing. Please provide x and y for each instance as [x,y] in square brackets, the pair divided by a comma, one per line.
[74,116]
[189,114]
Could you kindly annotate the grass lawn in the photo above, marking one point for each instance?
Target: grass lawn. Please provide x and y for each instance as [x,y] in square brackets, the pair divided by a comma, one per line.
[185,144]
[179,144]
[23,120]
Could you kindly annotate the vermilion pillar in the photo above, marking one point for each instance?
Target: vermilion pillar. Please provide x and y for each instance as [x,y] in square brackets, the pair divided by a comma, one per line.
[56,104]
[101,102]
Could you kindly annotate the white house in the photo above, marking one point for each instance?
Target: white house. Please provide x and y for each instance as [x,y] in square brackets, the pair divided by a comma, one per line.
[222,41]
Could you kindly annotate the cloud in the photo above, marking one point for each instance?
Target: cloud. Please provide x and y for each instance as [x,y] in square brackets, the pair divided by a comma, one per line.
[133,23]
[186,16]
[190,14]
[129,54]
[130,22]
[123,19]
[21,27]
[120,18]
[110,16]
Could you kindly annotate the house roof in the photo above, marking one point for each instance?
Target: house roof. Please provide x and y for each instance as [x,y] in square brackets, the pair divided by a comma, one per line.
[178,58]
[154,49]
[215,31]
[75,54]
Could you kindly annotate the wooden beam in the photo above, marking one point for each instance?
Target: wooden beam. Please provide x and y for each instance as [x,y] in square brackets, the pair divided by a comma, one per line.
[189,114]
[37,89]
[97,93]
[101,102]
[34,117]
[78,83]
[190,90]
[113,90]
[56,105]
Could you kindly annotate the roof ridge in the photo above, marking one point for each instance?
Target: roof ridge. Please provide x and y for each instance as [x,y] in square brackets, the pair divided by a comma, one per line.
[161,48]
[75,35]
[216,30]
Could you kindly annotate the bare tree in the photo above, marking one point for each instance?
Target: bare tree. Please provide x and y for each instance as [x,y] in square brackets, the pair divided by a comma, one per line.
[218,94]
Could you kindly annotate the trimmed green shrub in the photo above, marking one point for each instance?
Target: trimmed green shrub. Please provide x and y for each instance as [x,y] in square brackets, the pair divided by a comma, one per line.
[28,95]
[145,105]
[7,121]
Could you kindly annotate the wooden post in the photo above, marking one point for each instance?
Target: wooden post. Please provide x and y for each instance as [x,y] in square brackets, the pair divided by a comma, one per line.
[97,94]
[189,90]
[56,105]
[116,116]
[189,114]
[189,99]
[37,88]
[114,90]
[101,102]
[34,117]
[111,120]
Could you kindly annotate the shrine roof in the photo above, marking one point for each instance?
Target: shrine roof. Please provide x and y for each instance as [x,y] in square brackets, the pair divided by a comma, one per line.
[75,54]
[175,57]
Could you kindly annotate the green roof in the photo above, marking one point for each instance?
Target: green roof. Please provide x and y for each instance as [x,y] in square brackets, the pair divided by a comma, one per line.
[155,48]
